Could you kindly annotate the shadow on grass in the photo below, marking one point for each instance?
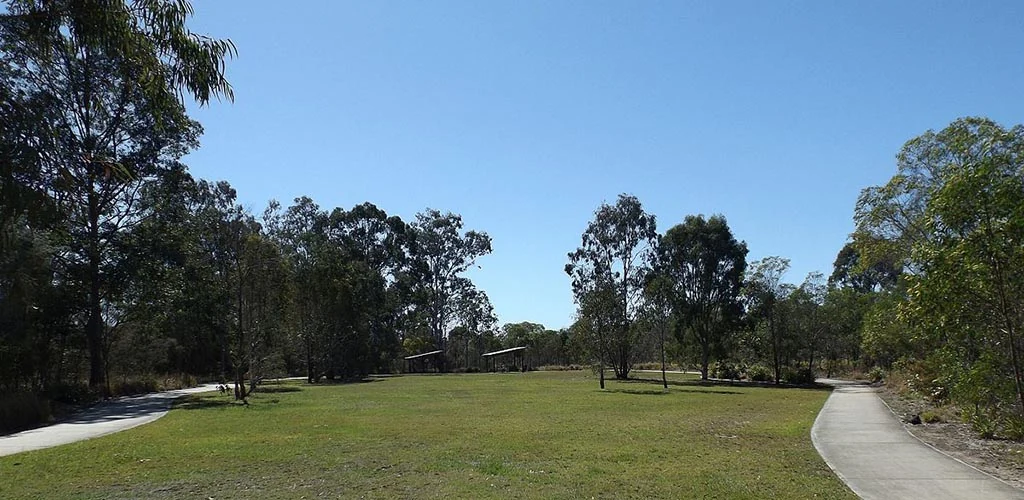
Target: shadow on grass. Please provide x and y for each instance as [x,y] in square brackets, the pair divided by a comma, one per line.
[200,404]
[365,380]
[728,383]
[270,389]
[645,392]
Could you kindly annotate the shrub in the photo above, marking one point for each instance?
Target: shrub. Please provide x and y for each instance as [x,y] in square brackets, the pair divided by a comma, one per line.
[172,382]
[129,387]
[797,376]
[22,410]
[759,373]
[876,375]
[725,370]
[1013,428]
[931,417]
[982,424]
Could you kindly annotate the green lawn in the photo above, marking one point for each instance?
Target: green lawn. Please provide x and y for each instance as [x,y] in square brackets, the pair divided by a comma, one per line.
[534,435]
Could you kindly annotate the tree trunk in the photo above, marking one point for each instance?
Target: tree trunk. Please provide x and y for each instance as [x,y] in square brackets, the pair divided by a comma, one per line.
[240,356]
[310,377]
[704,362]
[664,379]
[1011,335]
[94,325]
[776,357]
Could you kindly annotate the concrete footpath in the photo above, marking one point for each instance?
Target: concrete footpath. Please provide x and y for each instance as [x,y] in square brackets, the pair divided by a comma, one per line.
[104,418]
[868,448]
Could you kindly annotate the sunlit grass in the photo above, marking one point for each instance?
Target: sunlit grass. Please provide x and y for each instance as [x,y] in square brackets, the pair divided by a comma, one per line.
[534,435]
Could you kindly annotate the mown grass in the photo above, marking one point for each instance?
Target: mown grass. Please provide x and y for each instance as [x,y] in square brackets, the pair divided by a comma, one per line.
[533,435]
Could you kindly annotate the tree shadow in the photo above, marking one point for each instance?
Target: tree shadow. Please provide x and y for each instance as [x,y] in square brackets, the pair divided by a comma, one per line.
[271,389]
[326,381]
[121,409]
[201,404]
[730,383]
[645,392]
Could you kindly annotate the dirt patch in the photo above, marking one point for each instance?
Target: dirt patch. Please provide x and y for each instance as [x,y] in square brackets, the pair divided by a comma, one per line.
[1000,458]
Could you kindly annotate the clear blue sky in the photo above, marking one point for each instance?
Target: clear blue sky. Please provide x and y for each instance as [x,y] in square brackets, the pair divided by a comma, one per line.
[524,116]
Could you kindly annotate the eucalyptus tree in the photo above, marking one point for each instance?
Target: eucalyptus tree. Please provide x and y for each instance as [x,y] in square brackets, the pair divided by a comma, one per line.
[597,322]
[702,264]
[617,250]
[764,292]
[382,243]
[443,252]
[809,325]
[475,316]
[968,298]
[111,77]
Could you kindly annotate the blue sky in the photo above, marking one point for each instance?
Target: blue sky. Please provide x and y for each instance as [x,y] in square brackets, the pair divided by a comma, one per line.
[524,116]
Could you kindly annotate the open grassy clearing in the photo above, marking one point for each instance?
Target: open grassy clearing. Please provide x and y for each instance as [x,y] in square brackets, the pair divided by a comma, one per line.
[534,435]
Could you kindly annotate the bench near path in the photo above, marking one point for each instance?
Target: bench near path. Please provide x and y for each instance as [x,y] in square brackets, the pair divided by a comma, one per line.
[868,448]
[104,418]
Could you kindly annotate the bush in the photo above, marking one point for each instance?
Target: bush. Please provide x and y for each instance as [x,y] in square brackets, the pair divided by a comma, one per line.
[172,382]
[130,387]
[759,373]
[1013,428]
[797,376]
[724,370]
[931,417]
[876,375]
[22,410]
[982,424]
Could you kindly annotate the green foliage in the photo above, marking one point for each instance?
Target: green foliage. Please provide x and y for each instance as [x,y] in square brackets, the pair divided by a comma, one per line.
[699,275]
[725,370]
[609,272]
[96,88]
[443,253]
[759,373]
[954,217]
[876,374]
[886,337]
[797,376]
[931,417]
[764,293]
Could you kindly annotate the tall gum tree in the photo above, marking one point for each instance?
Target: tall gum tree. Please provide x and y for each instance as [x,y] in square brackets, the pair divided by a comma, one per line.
[617,251]
[765,291]
[702,266]
[112,77]
[444,253]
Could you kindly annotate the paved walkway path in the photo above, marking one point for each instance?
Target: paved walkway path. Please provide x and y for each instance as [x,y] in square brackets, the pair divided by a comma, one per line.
[105,418]
[867,446]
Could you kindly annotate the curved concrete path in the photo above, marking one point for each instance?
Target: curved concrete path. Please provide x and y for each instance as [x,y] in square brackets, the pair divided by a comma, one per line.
[868,448]
[104,418]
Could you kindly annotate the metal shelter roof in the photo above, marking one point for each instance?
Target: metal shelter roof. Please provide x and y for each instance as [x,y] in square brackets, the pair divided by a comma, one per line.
[504,351]
[423,355]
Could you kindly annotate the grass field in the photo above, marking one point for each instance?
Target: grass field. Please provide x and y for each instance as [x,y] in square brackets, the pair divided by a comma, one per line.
[533,435]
